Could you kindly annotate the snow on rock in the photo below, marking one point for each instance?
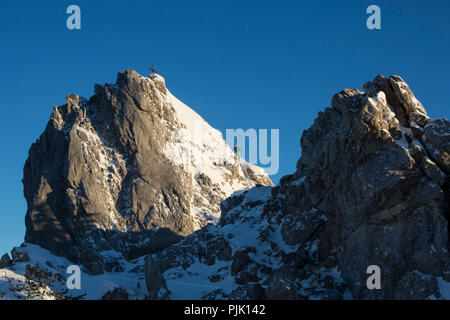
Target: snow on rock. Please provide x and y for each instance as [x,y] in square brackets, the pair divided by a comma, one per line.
[22,280]
[201,150]
[241,258]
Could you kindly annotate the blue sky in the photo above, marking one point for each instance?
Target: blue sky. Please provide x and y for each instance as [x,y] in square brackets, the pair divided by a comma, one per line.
[239,64]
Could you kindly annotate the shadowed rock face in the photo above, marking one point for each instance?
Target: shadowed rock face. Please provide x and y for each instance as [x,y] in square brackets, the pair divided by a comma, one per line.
[101,176]
[371,188]
[382,185]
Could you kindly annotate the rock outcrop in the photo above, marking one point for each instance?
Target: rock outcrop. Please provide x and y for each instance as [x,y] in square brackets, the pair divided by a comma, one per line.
[132,170]
[371,189]
[5,261]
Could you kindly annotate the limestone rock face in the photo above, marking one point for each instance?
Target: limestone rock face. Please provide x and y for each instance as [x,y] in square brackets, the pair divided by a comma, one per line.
[371,188]
[132,170]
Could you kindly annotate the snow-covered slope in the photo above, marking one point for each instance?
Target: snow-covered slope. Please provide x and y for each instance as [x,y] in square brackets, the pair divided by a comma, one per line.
[38,274]
[202,152]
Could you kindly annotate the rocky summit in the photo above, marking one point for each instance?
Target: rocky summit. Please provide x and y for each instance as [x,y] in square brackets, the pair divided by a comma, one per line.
[131,170]
[138,189]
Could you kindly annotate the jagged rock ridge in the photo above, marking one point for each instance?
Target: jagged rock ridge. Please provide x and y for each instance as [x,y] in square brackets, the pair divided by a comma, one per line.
[131,170]
[371,188]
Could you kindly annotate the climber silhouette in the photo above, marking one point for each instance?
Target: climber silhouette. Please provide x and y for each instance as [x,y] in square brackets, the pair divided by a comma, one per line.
[237,155]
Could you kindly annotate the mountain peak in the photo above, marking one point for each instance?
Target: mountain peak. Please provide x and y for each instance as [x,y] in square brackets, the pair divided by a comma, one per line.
[129,173]
[132,169]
